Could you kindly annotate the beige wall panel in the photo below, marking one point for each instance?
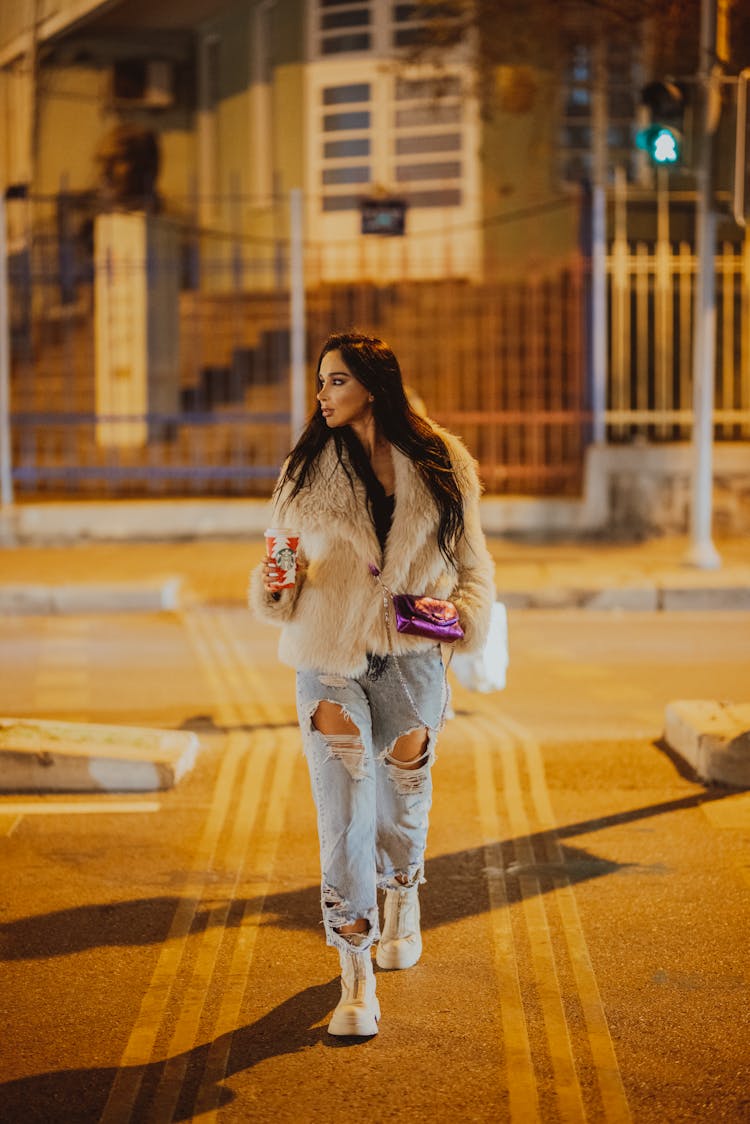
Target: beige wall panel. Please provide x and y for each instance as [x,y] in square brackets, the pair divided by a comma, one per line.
[518,157]
[176,179]
[72,118]
[289,126]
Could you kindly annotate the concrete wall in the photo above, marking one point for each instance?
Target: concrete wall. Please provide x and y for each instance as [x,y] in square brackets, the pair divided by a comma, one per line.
[74,115]
[518,156]
[648,488]
[517,146]
[633,492]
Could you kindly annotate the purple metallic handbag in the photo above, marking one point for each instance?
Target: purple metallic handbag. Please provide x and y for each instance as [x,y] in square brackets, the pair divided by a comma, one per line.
[422,616]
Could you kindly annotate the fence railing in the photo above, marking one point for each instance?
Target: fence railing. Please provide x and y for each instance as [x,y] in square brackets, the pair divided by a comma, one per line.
[651,299]
[159,362]
[164,367]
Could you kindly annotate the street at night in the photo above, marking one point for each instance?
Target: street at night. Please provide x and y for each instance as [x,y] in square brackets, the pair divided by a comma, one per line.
[337,336]
[585,911]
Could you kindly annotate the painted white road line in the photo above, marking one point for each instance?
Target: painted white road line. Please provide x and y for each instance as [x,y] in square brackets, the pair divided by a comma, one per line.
[76,807]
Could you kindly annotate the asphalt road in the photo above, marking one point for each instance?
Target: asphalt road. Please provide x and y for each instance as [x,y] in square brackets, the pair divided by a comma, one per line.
[586,911]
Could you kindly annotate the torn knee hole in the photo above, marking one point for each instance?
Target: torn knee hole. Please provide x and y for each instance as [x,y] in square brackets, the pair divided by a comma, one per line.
[332,715]
[411,762]
[349,750]
[407,753]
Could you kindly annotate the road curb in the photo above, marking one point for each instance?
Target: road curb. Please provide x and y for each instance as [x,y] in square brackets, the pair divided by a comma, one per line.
[159,595]
[645,598]
[168,595]
[713,737]
[710,598]
[45,756]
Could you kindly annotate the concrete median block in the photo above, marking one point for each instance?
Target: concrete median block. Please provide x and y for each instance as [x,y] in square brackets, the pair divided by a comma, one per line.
[159,595]
[706,598]
[25,600]
[639,599]
[713,737]
[554,597]
[47,756]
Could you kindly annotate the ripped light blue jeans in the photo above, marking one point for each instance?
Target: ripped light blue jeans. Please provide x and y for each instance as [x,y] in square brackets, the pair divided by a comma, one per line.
[372,813]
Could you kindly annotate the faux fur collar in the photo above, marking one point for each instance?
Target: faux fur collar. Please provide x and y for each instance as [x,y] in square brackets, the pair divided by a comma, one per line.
[330,504]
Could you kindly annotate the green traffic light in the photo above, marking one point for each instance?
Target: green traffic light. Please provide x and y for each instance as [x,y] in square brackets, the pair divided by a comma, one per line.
[665,148]
[661,144]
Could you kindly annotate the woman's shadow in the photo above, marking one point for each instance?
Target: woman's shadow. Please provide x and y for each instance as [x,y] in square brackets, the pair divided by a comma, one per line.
[73,1095]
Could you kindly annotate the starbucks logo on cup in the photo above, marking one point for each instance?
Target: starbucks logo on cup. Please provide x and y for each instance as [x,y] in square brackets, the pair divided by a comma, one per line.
[281,549]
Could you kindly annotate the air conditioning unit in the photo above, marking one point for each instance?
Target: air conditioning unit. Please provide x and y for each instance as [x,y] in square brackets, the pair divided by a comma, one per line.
[143,83]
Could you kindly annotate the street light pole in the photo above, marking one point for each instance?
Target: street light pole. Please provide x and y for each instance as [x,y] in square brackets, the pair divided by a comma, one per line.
[599,341]
[297,313]
[6,470]
[702,552]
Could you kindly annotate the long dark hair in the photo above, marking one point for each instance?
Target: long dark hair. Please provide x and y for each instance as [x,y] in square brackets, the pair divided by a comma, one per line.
[374,365]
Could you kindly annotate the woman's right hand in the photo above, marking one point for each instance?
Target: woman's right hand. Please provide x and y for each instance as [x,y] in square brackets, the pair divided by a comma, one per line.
[273,576]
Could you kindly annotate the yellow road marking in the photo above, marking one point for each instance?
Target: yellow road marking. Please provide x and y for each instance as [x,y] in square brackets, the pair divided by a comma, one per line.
[616,1109]
[247,677]
[520,1078]
[235,982]
[218,657]
[567,1086]
[76,807]
[193,1000]
[140,1046]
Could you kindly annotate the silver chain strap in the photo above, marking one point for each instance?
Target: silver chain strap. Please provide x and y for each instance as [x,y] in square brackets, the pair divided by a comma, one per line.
[387,602]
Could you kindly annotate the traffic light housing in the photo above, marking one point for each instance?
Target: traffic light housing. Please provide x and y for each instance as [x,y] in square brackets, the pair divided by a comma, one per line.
[663,139]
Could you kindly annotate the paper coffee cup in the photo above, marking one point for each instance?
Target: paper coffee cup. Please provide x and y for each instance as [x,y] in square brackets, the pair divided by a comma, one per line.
[281,549]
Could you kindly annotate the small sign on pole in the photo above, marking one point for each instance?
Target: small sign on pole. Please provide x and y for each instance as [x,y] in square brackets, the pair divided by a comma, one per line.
[383,216]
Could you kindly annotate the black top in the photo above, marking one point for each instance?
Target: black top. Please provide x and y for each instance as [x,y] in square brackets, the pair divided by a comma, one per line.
[381,506]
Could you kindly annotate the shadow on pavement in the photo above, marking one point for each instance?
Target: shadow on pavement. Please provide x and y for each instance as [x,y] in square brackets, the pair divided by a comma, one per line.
[79,1095]
[458,878]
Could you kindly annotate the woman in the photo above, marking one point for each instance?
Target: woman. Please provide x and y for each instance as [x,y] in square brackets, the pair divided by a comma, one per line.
[372,485]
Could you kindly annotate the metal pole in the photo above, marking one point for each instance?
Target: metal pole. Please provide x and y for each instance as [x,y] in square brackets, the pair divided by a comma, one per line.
[297,325]
[702,552]
[740,151]
[599,255]
[6,471]
[598,315]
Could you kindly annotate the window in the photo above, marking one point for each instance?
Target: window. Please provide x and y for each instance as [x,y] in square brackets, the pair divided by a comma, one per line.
[375,131]
[409,21]
[576,120]
[341,27]
[337,21]
[344,160]
[412,117]
[423,109]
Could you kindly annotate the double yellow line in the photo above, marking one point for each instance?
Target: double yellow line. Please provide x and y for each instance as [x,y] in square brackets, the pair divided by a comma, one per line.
[508,760]
[188,1002]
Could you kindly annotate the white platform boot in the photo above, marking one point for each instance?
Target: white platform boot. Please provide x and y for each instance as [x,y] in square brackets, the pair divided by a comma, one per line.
[401,942]
[358,1009]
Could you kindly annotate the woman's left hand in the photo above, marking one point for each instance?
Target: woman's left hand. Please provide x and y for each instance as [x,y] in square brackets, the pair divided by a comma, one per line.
[444,609]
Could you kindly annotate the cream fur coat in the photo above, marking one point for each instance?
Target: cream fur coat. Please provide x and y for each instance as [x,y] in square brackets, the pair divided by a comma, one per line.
[334,615]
